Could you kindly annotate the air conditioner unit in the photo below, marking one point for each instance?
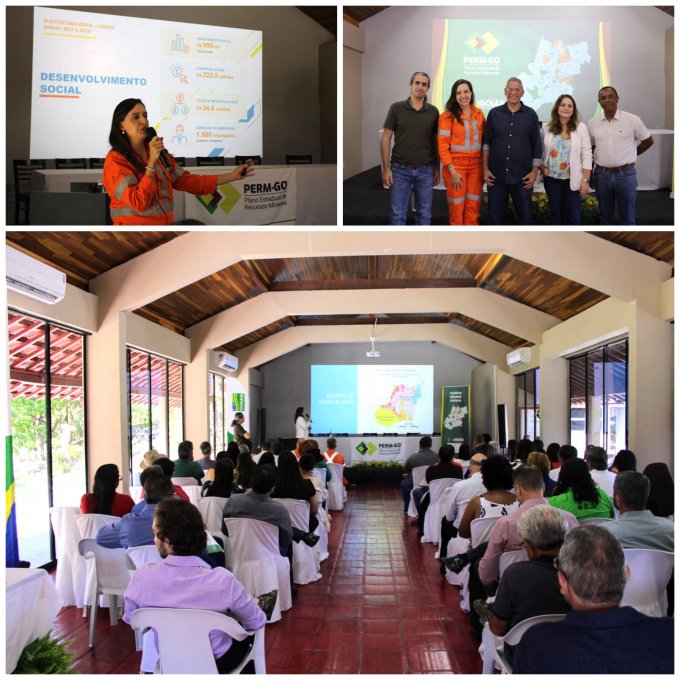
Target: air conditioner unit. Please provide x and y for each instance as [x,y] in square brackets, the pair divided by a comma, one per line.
[519,356]
[225,361]
[36,279]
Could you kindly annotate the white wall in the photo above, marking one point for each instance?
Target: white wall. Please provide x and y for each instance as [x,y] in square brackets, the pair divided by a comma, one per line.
[398,41]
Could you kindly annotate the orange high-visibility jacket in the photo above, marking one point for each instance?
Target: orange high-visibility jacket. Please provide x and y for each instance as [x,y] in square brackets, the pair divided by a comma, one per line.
[456,139]
[137,198]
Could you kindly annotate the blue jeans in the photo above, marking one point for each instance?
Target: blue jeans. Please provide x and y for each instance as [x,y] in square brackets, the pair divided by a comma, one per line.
[565,204]
[616,190]
[405,179]
[498,202]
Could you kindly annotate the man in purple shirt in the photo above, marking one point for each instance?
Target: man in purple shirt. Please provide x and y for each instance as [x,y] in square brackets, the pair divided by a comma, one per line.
[184,581]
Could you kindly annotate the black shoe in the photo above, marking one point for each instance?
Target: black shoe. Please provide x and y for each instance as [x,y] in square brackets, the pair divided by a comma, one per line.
[456,564]
[482,609]
[310,539]
[267,602]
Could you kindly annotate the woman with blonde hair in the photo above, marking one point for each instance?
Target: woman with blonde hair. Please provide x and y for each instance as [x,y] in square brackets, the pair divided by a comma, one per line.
[567,161]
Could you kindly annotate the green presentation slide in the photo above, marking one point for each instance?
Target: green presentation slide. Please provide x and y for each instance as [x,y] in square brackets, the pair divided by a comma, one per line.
[550,57]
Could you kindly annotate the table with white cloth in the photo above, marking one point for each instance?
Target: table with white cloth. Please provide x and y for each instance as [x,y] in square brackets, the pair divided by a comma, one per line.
[316,192]
[31,604]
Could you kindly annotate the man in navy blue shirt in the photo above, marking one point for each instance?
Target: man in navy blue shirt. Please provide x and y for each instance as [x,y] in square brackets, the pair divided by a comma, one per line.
[598,635]
[511,153]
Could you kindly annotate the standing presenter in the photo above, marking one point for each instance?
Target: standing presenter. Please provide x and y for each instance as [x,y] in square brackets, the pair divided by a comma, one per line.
[139,175]
[303,423]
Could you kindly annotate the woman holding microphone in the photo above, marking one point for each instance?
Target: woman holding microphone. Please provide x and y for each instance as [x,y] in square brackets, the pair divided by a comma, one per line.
[567,161]
[303,423]
[460,149]
[139,181]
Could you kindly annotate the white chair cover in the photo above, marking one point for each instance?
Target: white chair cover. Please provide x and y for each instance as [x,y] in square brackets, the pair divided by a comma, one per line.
[437,509]
[193,491]
[480,529]
[321,474]
[650,571]
[136,493]
[71,568]
[144,554]
[184,481]
[321,548]
[180,630]
[336,489]
[88,525]
[211,509]
[258,564]
[595,520]
[510,557]
[305,558]
[418,474]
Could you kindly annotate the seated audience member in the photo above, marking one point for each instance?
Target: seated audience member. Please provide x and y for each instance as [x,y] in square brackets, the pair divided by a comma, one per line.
[638,527]
[148,459]
[462,493]
[538,445]
[185,466]
[312,446]
[497,500]
[205,461]
[464,451]
[222,485]
[134,528]
[596,459]
[104,500]
[296,450]
[576,492]
[233,452]
[661,490]
[530,588]
[244,470]
[266,458]
[512,450]
[184,581]
[598,636]
[168,468]
[265,447]
[542,462]
[290,484]
[566,452]
[552,451]
[332,455]
[524,448]
[307,463]
[623,461]
[424,456]
[444,468]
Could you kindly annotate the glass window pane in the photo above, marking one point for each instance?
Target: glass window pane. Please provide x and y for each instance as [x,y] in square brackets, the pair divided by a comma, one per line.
[26,340]
[219,412]
[159,413]
[531,404]
[521,406]
[175,417]
[211,412]
[595,391]
[67,415]
[537,402]
[577,402]
[616,383]
[139,406]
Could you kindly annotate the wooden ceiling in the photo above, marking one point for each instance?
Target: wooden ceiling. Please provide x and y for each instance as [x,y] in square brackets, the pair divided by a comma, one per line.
[85,255]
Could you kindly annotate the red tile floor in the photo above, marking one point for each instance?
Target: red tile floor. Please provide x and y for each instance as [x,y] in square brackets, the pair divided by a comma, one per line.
[381,606]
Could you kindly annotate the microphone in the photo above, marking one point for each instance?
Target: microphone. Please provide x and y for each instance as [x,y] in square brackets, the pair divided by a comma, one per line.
[164,159]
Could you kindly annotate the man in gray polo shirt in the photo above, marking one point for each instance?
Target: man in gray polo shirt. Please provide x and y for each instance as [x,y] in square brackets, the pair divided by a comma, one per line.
[415,163]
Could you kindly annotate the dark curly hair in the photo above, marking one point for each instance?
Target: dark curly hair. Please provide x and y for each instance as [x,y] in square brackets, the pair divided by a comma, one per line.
[496,473]
[574,475]
[181,523]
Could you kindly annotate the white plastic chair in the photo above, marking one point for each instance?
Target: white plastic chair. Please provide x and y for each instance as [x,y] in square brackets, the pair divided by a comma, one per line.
[71,574]
[184,481]
[305,558]
[113,575]
[437,509]
[337,495]
[144,554]
[514,636]
[211,509]
[136,493]
[418,474]
[258,564]
[480,529]
[89,525]
[650,571]
[194,493]
[184,639]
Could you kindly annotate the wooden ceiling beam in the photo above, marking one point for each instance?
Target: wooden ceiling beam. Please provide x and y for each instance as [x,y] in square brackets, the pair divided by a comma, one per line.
[492,264]
[256,275]
[363,284]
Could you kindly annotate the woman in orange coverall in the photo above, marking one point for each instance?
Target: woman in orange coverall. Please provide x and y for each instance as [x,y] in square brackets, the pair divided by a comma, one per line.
[139,186]
[460,150]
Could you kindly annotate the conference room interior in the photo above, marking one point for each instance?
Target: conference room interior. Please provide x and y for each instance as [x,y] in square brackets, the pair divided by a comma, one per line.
[631,48]
[145,314]
[54,166]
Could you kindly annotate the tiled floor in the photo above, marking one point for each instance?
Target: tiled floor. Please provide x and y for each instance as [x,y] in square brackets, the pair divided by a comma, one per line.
[380,607]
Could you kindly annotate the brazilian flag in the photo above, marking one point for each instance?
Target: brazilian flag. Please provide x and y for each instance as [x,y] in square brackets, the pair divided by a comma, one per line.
[11,539]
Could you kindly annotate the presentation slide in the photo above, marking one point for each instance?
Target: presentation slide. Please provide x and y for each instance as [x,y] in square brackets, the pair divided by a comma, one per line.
[372,398]
[549,57]
[201,85]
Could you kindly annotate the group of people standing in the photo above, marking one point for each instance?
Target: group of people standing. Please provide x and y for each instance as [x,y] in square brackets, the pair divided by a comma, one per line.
[506,151]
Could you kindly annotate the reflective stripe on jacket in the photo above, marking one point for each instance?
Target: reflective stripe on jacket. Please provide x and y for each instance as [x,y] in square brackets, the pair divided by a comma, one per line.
[455,138]
[137,199]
